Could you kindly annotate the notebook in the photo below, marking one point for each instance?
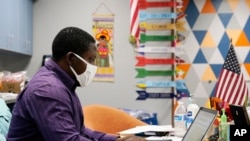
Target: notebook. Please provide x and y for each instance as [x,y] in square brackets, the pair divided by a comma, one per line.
[198,129]
[239,114]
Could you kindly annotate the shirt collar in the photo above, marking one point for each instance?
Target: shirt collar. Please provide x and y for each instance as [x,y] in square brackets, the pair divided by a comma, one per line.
[62,75]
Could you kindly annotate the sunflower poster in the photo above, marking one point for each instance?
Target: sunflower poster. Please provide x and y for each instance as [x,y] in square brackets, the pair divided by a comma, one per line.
[103,26]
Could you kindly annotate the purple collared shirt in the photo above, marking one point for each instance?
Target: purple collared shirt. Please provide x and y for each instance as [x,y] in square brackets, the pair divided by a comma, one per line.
[48,109]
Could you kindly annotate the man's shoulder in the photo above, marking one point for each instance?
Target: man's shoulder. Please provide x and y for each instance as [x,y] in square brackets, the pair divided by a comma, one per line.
[45,79]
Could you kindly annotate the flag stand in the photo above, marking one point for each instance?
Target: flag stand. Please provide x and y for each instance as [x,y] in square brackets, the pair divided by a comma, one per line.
[173,68]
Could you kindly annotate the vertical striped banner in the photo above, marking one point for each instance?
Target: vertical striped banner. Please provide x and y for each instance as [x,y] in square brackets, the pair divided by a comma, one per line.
[134,19]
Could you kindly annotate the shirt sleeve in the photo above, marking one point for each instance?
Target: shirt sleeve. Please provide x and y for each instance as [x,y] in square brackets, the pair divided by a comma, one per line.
[99,136]
[55,120]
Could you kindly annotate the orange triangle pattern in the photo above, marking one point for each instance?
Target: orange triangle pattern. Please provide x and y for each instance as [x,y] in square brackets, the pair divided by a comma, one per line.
[208,75]
[233,3]
[208,41]
[242,41]
[185,68]
[208,7]
[234,35]
[247,66]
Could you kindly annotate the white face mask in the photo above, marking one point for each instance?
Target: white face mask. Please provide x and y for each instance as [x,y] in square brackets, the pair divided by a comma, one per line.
[86,77]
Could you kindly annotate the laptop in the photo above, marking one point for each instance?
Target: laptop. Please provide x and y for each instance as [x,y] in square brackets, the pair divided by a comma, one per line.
[239,114]
[203,120]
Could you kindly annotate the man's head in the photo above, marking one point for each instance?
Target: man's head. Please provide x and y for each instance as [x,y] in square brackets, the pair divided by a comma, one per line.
[74,50]
[71,39]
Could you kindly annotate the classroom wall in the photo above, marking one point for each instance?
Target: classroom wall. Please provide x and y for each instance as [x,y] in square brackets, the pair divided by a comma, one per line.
[52,15]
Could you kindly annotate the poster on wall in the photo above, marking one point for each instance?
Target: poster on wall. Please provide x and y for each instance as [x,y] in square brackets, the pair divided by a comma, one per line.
[103,26]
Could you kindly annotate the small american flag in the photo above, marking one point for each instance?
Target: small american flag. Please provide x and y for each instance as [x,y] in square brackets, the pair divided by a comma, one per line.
[231,86]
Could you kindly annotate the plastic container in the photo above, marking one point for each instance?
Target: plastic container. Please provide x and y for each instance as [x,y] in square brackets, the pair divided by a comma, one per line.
[224,127]
[180,119]
[192,110]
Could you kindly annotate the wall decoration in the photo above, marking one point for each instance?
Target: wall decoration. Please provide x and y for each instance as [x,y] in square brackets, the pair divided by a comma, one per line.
[103,29]
[155,32]
[211,24]
[159,22]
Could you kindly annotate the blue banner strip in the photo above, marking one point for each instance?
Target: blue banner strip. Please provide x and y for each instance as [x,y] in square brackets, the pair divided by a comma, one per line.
[179,84]
[143,15]
[143,95]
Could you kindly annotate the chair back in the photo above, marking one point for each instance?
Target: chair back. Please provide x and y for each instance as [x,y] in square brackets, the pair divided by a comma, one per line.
[108,119]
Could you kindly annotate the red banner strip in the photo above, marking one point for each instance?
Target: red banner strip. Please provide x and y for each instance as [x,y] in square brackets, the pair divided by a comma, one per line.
[143,4]
[142,61]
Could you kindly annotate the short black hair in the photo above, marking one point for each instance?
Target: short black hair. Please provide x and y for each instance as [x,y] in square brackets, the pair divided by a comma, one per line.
[71,39]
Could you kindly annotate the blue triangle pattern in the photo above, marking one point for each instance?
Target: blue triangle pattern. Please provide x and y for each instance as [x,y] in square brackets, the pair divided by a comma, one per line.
[247,60]
[216,69]
[225,18]
[224,45]
[247,28]
[199,35]
[192,13]
[216,4]
[200,58]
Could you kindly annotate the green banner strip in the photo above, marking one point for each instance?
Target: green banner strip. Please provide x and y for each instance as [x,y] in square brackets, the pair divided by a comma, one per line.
[143,73]
[144,38]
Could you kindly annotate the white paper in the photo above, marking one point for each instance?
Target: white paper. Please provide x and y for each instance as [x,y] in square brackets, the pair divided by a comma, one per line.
[164,138]
[148,128]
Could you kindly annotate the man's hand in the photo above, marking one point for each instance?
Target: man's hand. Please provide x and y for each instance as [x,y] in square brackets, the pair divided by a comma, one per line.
[131,138]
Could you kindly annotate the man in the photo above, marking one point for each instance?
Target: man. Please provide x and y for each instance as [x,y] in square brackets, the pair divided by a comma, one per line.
[48,109]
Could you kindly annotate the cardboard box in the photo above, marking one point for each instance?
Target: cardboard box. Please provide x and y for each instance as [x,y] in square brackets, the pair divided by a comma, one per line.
[11,87]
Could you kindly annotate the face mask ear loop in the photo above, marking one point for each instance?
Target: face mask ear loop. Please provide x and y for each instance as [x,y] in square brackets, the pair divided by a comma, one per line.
[79,57]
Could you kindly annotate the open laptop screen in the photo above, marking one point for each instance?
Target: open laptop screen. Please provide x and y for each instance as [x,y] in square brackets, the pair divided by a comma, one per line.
[203,120]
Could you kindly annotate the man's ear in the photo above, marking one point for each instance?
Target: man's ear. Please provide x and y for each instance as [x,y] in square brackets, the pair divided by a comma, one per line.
[70,58]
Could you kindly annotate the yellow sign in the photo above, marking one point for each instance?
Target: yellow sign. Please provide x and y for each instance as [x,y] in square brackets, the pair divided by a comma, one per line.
[179,26]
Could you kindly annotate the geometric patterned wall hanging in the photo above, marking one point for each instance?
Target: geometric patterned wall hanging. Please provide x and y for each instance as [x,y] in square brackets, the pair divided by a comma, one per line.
[211,24]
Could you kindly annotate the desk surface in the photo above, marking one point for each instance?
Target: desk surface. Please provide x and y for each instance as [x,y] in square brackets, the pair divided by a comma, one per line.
[164,138]
[8,97]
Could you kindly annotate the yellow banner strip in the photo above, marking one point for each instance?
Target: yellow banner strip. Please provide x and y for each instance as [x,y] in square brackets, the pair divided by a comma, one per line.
[178,26]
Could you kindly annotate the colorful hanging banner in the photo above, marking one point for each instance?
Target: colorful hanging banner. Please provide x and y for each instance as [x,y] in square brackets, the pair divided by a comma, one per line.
[143,4]
[103,30]
[142,61]
[142,49]
[143,72]
[179,26]
[144,15]
[143,95]
[178,84]
[144,38]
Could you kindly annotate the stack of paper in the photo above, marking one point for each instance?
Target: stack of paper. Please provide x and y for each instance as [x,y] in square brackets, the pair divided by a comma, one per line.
[170,138]
[147,130]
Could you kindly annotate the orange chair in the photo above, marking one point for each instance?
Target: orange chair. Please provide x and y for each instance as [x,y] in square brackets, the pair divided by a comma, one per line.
[108,119]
